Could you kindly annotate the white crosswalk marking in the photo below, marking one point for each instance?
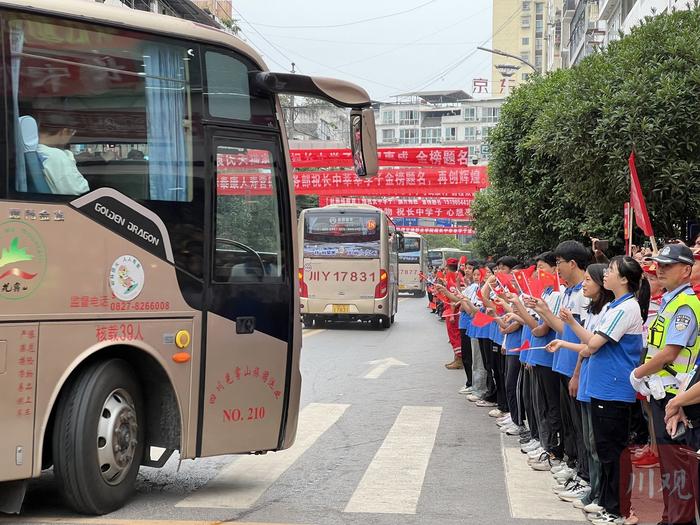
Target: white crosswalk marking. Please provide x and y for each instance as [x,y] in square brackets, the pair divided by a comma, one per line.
[240,484]
[530,493]
[394,479]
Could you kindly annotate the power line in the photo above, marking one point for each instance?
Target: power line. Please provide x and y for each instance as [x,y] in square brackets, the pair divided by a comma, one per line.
[459,62]
[290,61]
[370,43]
[331,26]
[401,46]
[284,67]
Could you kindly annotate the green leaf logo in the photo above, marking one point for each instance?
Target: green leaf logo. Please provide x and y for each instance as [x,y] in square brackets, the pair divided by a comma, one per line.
[14,254]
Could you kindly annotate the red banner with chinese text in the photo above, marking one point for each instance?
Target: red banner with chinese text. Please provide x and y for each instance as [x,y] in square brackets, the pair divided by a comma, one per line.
[428,212]
[439,157]
[441,202]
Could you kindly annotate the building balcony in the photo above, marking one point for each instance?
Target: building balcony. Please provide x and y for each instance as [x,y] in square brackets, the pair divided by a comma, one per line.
[606,8]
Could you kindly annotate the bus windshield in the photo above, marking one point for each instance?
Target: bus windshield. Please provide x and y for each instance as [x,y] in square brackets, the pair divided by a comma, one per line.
[411,251]
[342,235]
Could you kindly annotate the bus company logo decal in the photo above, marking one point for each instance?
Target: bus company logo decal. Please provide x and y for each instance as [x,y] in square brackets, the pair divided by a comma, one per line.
[126,277]
[22,260]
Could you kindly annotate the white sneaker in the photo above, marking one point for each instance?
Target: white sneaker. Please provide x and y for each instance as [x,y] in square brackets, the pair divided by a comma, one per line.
[473,398]
[515,430]
[484,404]
[496,413]
[577,492]
[504,421]
[546,464]
[605,518]
[505,429]
[559,468]
[579,504]
[535,452]
[465,390]
[563,487]
[532,445]
[564,474]
[593,508]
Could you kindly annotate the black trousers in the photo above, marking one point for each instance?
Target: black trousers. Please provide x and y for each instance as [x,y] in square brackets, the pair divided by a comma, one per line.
[548,410]
[611,427]
[674,463]
[527,397]
[500,378]
[567,422]
[512,374]
[487,357]
[466,345]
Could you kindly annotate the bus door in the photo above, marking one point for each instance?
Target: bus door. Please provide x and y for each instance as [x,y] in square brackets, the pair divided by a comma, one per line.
[250,304]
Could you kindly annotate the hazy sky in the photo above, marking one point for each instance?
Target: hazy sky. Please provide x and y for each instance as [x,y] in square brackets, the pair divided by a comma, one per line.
[431,47]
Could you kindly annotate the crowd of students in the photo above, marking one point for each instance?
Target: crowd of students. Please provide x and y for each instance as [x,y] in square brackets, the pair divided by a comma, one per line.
[590,362]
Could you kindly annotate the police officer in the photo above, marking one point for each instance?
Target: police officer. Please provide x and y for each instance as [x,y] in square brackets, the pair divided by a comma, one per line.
[673,348]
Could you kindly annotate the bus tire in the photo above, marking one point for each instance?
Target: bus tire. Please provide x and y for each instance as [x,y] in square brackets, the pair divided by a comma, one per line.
[98,438]
[307,321]
[392,319]
[420,293]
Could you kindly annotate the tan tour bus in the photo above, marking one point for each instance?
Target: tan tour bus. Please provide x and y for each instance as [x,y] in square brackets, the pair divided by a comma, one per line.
[437,257]
[413,263]
[148,291]
[348,265]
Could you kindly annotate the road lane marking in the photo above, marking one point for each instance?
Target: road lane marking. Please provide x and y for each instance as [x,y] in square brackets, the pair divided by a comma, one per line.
[381,366]
[394,479]
[530,493]
[240,484]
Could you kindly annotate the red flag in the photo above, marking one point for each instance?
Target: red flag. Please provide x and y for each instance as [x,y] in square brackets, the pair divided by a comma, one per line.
[481,319]
[483,272]
[521,278]
[637,200]
[463,260]
[529,271]
[506,280]
[524,346]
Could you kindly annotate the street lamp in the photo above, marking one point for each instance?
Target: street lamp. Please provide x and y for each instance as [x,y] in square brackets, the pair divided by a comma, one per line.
[515,57]
[507,71]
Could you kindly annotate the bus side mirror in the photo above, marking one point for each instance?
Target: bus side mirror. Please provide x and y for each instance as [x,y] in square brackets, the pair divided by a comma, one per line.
[363,141]
[402,242]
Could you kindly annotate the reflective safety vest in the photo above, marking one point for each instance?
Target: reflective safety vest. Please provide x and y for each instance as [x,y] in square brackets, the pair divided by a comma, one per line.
[656,340]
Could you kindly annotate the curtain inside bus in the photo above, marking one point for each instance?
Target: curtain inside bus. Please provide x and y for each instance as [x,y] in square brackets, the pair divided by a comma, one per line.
[16,44]
[165,115]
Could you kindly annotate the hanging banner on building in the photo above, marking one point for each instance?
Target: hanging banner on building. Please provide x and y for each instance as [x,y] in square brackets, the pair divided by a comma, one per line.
[442,202]
[439,230]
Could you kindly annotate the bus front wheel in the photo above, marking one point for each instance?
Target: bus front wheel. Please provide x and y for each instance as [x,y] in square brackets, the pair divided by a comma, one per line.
[98,437]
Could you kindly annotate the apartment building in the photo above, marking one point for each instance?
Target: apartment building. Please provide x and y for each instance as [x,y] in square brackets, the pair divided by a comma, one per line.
[438,118]
[519,28]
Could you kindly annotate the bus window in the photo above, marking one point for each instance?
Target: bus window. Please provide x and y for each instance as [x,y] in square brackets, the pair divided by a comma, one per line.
[100,108]
[411,250]
[350,234]
[248,240]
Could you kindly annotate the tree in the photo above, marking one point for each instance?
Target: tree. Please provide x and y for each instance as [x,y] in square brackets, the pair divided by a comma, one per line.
[559,153]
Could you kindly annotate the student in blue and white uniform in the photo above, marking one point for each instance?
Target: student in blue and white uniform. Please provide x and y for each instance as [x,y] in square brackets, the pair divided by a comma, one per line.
[586,496]
[572,258]
[615,350]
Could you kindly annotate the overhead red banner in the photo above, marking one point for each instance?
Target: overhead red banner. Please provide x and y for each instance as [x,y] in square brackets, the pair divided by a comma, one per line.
[443,202]
[392,181]
[427,212]
[322,158]
[439,230]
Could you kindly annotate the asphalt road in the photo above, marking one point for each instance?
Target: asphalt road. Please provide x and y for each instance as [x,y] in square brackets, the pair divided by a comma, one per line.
[380,443]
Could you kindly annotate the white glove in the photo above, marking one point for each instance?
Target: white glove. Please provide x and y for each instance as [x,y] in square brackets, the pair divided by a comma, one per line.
[639,385]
